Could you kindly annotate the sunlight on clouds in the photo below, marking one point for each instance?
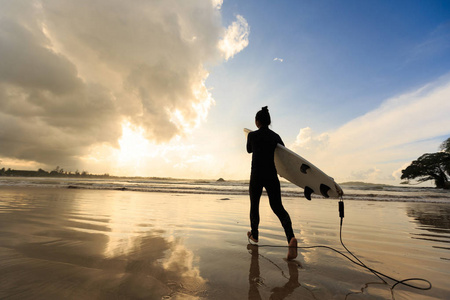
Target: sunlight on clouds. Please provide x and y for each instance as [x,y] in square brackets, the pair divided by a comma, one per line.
[190,118]
[133,146]
[137,156]
[408,118]
[306,139]
[83,67]
[377,145]
[133,152]
[202,107]
[217,4]
[370,174]
[18,164]
[236,37]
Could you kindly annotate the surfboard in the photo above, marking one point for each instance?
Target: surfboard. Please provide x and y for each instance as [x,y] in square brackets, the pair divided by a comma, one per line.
[304,174]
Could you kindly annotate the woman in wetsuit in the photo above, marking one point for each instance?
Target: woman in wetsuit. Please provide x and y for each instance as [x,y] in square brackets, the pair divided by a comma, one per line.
[262,144]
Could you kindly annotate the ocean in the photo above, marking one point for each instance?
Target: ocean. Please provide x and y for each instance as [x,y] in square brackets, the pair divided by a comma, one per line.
[352,190]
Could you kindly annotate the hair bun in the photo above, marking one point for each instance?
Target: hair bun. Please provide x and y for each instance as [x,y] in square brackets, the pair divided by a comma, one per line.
[263,116]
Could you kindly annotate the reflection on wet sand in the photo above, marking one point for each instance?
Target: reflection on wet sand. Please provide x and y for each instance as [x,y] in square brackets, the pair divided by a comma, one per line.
[93,244]
[61,250]
[254,278]
[435,217]
[256,281]
[435,222]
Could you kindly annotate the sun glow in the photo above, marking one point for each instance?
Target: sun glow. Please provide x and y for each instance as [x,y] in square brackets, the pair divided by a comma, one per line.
[134,155]
[134,147]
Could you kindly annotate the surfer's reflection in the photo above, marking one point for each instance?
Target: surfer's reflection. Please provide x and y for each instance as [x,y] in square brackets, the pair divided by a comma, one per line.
[255,280]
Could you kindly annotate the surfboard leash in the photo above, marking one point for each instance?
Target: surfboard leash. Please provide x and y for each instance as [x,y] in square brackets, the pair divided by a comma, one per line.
[356,260]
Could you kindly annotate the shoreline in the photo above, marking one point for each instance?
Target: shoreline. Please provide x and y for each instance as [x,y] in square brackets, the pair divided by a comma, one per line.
[234,189]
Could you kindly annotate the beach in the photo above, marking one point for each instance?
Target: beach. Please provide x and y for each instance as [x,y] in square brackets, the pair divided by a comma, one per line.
[79,243]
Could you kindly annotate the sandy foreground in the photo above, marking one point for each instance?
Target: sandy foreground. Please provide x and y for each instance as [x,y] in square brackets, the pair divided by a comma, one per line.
[93,244]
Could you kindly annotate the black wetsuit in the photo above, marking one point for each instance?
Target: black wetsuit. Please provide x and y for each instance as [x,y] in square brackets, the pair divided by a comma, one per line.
[262,144]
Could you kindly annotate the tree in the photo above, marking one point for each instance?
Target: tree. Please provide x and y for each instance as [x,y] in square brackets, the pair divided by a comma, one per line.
[430,166]
[42,172]
[445,146]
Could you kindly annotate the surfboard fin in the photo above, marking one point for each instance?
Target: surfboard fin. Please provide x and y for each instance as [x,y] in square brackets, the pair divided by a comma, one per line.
[304,167]
[324,190]
[308,191]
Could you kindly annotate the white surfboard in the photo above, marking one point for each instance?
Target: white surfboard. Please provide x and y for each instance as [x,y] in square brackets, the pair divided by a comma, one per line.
[304,174]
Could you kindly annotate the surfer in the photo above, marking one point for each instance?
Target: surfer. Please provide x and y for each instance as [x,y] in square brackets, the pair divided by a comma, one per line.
[262,143]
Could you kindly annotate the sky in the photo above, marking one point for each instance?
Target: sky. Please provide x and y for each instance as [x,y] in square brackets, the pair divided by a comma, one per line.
[165,88]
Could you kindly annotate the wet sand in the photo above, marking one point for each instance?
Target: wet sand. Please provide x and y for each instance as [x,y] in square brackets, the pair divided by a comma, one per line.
[92,244]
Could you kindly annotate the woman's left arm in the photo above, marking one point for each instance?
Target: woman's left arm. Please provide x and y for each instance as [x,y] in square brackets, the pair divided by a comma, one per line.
[249,144]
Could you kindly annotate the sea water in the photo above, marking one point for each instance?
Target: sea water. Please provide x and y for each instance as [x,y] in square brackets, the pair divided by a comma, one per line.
[352,191]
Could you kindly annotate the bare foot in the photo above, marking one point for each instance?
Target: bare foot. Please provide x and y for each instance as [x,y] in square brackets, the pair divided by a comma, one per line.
[292,252]
[249,235]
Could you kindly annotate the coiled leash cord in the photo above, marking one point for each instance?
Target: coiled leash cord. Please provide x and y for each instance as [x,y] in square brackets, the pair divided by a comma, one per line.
[357,261]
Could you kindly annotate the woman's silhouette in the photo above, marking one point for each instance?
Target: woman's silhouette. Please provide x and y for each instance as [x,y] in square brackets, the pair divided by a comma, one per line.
[262,144]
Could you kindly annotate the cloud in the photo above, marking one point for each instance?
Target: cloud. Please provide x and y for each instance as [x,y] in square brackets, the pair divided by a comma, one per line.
[369,174]
[278,59]
[217,3]
[436,43]
[376,145]
[236,38]
[72,72]
[307,140]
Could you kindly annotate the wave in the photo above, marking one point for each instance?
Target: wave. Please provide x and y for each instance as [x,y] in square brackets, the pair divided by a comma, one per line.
[352,190]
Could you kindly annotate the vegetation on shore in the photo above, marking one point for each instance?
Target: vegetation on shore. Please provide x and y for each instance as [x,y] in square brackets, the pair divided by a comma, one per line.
[431,166]
[57,172]
[60,172]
